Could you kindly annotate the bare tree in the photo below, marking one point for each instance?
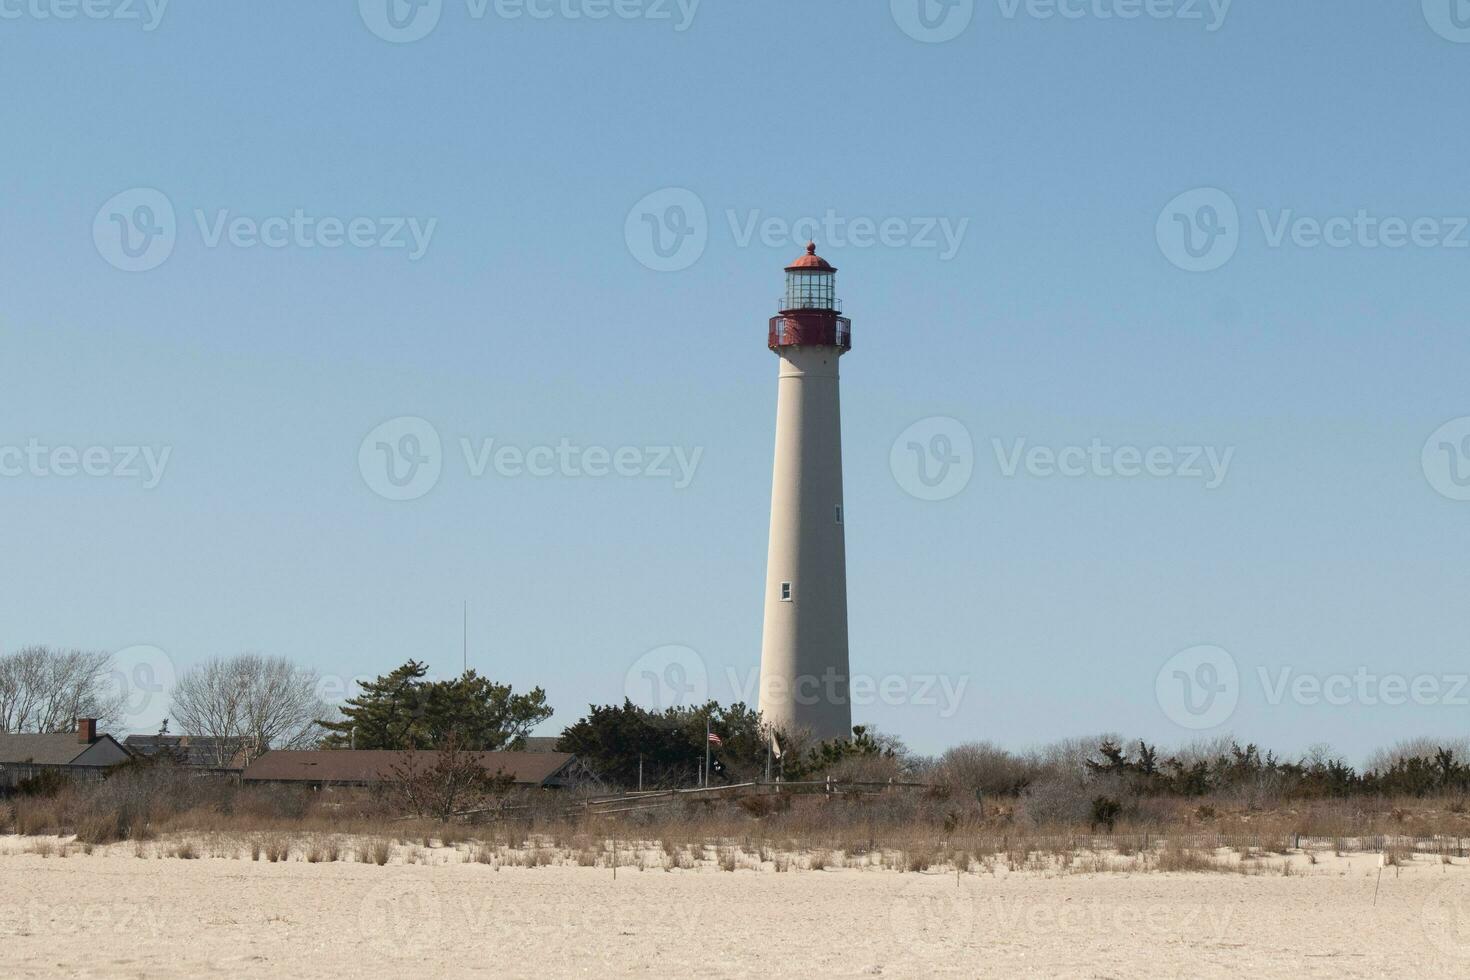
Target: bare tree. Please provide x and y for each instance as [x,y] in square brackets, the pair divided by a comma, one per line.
[453,781]
[46,690]
[249,702]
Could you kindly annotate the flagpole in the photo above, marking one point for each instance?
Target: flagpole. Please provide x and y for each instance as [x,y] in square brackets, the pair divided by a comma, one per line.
[706,747]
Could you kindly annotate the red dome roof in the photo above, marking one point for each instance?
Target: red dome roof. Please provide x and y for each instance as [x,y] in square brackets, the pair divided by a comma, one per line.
[811,261]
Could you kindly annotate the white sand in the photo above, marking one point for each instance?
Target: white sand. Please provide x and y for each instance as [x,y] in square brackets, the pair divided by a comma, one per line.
[112,914]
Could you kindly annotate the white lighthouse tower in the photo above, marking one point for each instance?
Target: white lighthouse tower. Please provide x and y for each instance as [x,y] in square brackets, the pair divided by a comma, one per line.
[804,667]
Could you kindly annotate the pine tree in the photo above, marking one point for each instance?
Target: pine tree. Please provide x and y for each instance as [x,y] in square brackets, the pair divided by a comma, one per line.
[401,710]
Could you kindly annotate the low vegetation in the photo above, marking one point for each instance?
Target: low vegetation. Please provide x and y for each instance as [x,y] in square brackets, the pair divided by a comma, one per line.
[1087,806]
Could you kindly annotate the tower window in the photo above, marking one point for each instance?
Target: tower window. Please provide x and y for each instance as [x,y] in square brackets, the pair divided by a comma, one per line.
[839,513]
[785,591]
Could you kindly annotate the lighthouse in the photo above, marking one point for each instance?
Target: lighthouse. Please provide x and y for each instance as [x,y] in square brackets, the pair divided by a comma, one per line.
[804,666]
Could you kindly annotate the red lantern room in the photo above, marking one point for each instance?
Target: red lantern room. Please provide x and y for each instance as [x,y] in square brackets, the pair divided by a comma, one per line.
[811,314]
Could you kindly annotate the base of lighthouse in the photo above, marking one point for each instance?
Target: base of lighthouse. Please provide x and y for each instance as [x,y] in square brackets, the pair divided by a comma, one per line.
[804,658]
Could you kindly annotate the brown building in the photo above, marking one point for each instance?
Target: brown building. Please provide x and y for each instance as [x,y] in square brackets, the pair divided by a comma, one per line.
[82,753]
[194,751]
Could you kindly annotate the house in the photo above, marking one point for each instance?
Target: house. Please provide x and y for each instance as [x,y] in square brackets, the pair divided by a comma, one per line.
[373,767]
[195,751]
[81,754]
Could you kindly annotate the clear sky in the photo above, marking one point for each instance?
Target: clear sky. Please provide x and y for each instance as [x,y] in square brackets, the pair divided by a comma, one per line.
[1066,156]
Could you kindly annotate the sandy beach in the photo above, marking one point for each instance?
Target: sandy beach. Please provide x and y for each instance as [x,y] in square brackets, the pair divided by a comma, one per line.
[113,913]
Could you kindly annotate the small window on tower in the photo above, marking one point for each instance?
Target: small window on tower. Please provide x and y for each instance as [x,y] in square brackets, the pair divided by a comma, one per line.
[785,591]
[839,513]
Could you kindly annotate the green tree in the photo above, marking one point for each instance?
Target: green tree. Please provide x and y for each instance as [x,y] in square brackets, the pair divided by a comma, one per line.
[401,710]
[612,739]
[836,755]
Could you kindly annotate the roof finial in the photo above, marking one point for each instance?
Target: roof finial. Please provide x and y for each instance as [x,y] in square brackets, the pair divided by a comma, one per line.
[811,248]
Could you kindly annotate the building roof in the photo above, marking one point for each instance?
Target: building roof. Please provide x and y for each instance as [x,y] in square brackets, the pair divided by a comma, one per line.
[57,749]
[366,766]
[204,751]
[811,262]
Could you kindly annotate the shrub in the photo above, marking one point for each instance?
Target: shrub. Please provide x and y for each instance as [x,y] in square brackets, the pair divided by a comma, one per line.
[1056,802]
[46,784]
[982,768]
[1105,812]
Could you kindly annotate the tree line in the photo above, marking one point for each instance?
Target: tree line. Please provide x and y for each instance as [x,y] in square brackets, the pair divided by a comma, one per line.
[251,703]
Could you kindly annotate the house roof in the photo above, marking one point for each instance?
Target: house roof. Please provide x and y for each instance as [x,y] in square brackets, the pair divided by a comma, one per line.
[192,750]
[43,750]
[366,766]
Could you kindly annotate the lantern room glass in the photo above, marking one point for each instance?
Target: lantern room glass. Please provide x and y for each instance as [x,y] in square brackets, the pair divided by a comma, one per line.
[806,290]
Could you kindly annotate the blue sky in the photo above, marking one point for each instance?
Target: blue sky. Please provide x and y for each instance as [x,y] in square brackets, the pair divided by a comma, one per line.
[1060,152]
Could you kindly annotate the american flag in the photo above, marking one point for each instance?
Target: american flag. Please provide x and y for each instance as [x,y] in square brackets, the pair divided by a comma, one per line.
[716,740]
